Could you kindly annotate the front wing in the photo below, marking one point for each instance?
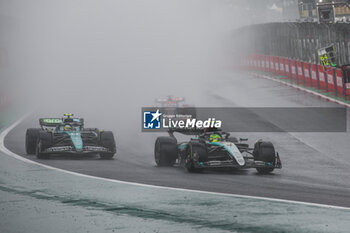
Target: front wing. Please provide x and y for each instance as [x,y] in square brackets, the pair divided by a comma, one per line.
[249,163]
[72,150]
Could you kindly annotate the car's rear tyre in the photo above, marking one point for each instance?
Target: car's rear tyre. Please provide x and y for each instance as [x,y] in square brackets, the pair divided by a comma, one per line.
[265,151]
[107,141]
[32,136]
[44,142]
[195,151]
[165,151]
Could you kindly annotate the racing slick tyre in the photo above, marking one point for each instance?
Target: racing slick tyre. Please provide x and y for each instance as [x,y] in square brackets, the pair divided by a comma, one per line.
[232,139]
[165,151]
[32,136]
[265,151]
[195,151]
[107,140]
[44,142]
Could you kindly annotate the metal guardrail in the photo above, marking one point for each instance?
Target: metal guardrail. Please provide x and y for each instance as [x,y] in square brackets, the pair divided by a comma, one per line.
[295,40]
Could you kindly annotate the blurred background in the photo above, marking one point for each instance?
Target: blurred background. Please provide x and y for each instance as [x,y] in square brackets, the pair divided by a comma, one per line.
[106,59]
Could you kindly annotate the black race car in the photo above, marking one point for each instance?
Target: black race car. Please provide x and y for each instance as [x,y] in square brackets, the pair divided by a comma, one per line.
[215,149]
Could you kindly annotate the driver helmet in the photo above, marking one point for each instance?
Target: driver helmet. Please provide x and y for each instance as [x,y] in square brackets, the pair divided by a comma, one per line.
[214,138]
[67,127]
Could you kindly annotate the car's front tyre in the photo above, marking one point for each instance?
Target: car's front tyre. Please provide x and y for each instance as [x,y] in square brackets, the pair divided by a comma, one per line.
[44,142]
[195,152]
[265,151]
[107,141]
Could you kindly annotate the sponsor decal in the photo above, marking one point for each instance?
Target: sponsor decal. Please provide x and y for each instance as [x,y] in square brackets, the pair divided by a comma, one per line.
[306,71]
[300,72]
[94,148]
[70,148]
[59,148]
[313,74]
[330,78]
[339,81]
[321,76]
[52,121]
[293,69]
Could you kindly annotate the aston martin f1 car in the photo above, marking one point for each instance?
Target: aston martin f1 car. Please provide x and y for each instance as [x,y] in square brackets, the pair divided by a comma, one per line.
[67,135]
[215,149]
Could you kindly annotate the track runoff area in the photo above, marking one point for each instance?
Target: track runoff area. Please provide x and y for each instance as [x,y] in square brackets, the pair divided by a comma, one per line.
[316,186]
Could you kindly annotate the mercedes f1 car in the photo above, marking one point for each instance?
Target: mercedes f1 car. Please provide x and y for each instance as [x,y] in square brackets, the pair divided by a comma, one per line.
[67,135]
[215,149]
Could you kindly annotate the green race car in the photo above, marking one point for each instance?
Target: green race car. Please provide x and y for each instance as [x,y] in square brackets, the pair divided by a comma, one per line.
[67,135]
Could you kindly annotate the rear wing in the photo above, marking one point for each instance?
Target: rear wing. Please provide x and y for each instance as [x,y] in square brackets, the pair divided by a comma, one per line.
[194,131]
[54,122]
[187,131]
[50,122]
[73,121]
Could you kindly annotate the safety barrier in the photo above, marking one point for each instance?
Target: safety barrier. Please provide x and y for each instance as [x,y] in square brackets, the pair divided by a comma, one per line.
[328,80]
[297,40]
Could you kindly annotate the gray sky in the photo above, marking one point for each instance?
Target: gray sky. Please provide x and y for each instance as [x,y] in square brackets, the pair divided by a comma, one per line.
[91,56]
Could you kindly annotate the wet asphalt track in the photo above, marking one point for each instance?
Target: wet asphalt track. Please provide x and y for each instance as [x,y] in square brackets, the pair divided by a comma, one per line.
[316,166]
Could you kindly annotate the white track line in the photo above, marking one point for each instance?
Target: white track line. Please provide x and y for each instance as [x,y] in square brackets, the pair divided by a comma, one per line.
[10,153]
[300,88]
